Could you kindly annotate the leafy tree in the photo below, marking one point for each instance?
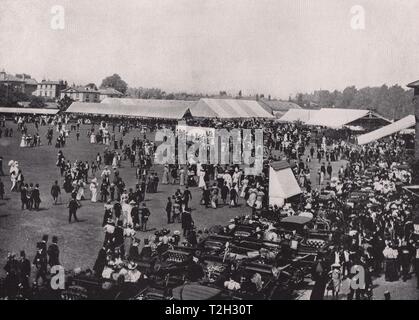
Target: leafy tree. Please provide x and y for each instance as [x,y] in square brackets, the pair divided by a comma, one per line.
[10,96]
[115,81]
[91,86]
[64,103]
[36,102]
[392,102]
[348,95]
[300,100]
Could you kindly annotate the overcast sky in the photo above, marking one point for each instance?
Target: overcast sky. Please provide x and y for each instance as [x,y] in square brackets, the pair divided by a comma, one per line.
[277,47]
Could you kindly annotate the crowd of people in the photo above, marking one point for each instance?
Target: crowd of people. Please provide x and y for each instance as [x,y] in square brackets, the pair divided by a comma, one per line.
[18,281]
[368,213]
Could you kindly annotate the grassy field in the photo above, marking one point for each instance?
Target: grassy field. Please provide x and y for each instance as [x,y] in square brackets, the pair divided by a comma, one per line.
[78,242]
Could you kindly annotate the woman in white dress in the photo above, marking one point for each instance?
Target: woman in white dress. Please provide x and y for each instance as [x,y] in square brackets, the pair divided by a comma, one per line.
[115,161]
[92,138]
[182,176]
[93,190]
[13,179]
[244,184]
[126,213]
[236,176]
[80,191]
[23,141]
[107,137]
[13,171]
[165,179]
[201,183]
[227,179]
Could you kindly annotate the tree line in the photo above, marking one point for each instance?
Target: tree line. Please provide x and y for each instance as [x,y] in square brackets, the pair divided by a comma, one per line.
[392,102]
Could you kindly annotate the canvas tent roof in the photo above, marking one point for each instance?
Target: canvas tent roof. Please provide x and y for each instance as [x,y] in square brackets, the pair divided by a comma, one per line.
[29,110]
[278,105]
[110,91]
[282,183]
[336,118]
[397,126]
[149,102]
[229,109]
[280,165]
[294,115]
[164,109]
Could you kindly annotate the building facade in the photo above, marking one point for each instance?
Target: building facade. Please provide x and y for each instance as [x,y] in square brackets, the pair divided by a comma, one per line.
[23,83]
[81,94]
[30,85]
[12,82]
[50,89]
[109,93]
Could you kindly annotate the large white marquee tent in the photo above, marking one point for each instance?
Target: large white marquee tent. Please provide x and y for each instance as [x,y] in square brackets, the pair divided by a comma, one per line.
[173,109]
[42,111]
[282,183]
[330,117]
[140,108]
[298,115]
[336,118]
[390,129]
[229,109]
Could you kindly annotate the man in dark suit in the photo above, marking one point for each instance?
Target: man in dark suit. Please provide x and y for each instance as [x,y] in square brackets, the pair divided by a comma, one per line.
[1,190]
[23,196]
[11,281]
[169,210]
[53,253]
[187,222]
[24,271]
[329,170]
[55,191]
[187,196]
[135,214]
[119,237]
[145,214]
[29,199]
[73,205]
[1,166]
[36,197]
[40,262]
[323,168]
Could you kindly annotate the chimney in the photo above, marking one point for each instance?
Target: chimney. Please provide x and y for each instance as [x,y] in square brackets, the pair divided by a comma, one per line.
[415,87]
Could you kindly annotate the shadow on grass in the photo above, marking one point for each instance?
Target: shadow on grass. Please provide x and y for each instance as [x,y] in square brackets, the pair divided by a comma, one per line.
[34,210]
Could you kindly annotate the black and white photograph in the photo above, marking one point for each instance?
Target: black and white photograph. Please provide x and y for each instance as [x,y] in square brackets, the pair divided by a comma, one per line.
[209,150]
